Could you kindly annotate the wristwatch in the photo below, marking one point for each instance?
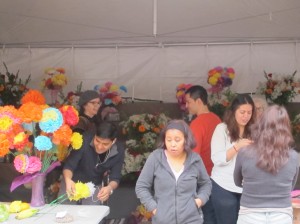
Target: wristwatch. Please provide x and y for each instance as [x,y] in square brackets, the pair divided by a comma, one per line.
[111,189]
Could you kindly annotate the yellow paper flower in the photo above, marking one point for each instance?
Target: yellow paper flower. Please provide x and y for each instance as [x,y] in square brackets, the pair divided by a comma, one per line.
[76,140]
[82,191]
[15,206]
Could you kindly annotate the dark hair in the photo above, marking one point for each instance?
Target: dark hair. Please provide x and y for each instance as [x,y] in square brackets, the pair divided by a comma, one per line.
[272,138]
[180,125]
[229,117]
[197,92]
[106,129]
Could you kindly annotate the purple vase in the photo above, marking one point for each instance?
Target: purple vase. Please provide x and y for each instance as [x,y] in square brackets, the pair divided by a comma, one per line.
[37,191]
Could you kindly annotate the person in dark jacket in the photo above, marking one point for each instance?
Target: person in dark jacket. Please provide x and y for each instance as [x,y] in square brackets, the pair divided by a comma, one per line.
[177,175]
[101,154]
[89,103]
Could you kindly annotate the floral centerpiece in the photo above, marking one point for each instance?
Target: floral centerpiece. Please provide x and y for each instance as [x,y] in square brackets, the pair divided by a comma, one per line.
[12,88]
[110,93]
[72,97]
[141,132]
[220,94]
[219,78]
[219,102]
[141,215]
[180,95]
[55,81]
[279,89]
[37,135]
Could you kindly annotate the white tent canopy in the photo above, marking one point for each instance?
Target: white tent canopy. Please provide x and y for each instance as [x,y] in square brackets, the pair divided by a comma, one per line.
[150,46]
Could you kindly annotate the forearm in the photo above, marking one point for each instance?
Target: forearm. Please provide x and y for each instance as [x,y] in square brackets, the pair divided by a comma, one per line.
[113,185]
[68,174]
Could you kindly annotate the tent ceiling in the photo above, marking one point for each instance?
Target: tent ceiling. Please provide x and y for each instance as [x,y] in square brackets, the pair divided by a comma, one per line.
[117,22]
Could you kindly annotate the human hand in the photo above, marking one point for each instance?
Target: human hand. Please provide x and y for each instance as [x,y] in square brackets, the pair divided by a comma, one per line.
[198,202]
[104,193]
[242,143]
[70,187]
[154,212]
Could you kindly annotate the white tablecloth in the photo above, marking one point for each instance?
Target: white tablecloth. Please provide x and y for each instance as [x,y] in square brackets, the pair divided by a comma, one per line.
[82,214]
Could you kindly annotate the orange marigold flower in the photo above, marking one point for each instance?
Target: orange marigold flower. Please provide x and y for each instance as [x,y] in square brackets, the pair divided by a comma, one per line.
[34,96]
[269,91]
[62,136]
[61,70]
[4,145]
[142,128]
[31,112]
[156,130]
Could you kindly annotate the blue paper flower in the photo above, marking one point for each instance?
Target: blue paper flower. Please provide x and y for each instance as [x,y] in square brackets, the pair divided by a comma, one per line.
[42,143]
[51,121]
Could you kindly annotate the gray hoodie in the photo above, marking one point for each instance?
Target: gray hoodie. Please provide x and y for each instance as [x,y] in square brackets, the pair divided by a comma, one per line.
[174,201]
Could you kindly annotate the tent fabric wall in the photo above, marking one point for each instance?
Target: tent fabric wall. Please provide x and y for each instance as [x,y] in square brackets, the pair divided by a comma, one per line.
[154,72]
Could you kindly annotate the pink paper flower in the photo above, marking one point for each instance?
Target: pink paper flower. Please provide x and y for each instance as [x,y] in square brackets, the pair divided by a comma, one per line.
[21,163]
[34,165]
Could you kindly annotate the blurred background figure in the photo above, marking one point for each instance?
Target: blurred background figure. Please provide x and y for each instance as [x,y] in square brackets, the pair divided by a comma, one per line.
[260,103]
[89,103]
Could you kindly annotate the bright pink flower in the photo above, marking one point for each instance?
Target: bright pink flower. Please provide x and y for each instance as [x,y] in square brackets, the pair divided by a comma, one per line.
[35,164]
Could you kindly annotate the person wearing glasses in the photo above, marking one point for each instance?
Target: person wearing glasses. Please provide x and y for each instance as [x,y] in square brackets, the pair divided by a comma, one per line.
[89,103]
[260,105]
[100,154]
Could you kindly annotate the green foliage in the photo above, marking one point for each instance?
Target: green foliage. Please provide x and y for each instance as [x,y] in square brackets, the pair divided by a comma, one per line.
[12,88]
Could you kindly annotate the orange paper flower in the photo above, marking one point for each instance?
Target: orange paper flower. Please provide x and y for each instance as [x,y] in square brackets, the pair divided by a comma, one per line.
[34,96]
[63,135]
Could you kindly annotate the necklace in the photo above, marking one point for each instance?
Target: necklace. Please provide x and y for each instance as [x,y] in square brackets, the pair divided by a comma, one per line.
[103,157]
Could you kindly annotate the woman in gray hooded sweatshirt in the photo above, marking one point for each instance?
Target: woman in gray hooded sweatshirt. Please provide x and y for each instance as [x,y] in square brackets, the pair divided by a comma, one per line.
[174,184]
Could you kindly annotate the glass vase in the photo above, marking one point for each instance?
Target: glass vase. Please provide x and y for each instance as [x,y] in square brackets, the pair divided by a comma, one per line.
[37,191]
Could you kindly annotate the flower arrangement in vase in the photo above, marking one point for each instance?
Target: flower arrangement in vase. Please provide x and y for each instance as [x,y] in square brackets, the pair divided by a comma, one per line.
[279,89]
[54,82]
[110,93]
[141,131]
[220,94]
[219,78]
[37,135]
[12,88]
[180,95]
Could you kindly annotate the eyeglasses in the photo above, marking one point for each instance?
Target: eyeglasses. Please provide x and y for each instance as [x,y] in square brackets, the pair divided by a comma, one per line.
[95,103]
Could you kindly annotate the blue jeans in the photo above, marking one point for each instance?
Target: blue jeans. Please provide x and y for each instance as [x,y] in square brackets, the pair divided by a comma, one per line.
[209,213]
[226,204]
[265,218]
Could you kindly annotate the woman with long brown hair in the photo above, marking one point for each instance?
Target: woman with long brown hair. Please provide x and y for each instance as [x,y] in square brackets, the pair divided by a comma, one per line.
[228,138]
[267,170]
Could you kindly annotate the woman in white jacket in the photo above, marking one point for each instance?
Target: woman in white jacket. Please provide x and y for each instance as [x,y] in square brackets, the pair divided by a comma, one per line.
[228,138]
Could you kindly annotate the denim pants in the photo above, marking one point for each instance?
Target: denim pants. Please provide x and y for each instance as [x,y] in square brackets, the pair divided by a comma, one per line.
[209,213]
[226,204]
[265,218]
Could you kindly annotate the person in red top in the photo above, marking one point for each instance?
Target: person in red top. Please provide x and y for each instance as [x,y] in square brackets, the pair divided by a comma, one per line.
[202,127]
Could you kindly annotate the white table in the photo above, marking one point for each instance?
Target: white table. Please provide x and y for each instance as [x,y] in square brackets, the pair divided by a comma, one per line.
[82,214]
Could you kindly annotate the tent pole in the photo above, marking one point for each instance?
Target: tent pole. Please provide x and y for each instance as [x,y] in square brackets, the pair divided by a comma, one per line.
[154,18]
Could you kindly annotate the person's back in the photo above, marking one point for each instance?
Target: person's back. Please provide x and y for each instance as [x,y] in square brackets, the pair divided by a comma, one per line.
[267,170]
[262,189]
